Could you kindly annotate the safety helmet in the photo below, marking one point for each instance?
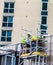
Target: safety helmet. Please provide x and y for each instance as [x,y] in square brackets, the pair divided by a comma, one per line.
[34,38]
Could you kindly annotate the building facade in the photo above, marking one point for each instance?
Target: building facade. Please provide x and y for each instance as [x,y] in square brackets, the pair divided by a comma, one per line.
[20,16]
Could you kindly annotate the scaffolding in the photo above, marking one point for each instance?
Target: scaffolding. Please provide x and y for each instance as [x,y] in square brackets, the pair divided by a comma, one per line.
[34,55]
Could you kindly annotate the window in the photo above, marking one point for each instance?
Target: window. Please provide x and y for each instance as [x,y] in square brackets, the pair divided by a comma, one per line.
[10,24]
[8,39]
[44,13]
[43,32]
[43,27]
[4,24]
[7,21]
[11,5]
[3,38]
[5,18]
[5,10]
[11,10]
[9,33]
[44,6]
[10,19]
[6,35]
[8,7]
[3,33]
[44,20]
[45,0]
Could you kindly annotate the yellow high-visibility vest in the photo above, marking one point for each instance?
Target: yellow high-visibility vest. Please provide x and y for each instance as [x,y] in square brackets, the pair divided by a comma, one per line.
[24,40]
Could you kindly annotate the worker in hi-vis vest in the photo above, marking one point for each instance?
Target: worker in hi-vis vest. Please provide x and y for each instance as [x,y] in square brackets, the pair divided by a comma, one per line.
[26,42]
[34,42]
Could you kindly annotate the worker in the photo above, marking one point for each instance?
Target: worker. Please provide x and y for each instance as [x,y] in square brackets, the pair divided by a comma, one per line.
[26,42]
[41,43]
[19,48]
[33,42]
[18,53]
[34,38]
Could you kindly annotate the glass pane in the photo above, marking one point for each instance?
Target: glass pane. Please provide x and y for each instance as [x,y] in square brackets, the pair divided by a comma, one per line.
[11,10]
[44,6]
[43,27]
[5,10]
[10,24]
[45,0]
[5,18]
[8,38]
[4,24]
[10,19]
[9,33]
[6,5]
[43,32]
[11,5]
[3,33]
[44,13]
[44,20]
[3,38]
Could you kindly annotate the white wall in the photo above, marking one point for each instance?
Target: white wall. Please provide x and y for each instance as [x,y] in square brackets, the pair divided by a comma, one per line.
[27,16]
[50,17]
[1,15]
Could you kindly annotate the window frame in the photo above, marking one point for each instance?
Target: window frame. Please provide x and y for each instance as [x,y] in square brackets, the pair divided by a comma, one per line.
[44,13]
[43,27]
[7,37]
[44,20]
[9,9]
[44,6]
[43,31]
[8,22]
